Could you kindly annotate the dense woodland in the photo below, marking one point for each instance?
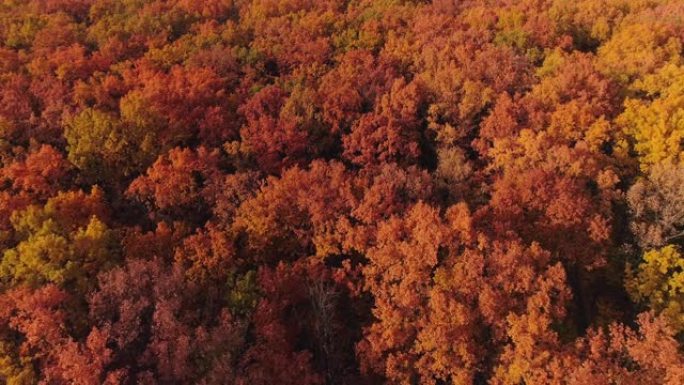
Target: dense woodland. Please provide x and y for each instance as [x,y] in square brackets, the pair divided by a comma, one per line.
[328,192]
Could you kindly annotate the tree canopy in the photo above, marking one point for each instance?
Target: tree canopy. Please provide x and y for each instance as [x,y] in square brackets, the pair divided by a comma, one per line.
[328,192]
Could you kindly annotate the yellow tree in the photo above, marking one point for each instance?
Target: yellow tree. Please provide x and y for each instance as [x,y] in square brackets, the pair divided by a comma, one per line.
[65,242]
[659,282]
[656,123]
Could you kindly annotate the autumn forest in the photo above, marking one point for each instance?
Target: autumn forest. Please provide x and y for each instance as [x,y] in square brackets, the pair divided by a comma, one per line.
[342,192]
